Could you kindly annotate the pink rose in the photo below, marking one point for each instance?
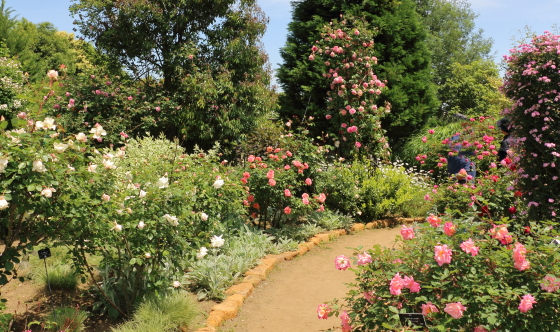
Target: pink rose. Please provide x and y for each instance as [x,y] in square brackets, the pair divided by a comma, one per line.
[407,232]
[428,308]
[449,228]
[364,259]
[323,311]
[442,254]
[308,181]
[469,248]
[342,262]
[287,210]
[455,309]
[526,303]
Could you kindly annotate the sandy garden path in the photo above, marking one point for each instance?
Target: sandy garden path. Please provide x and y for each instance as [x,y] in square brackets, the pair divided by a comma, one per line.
[287,300]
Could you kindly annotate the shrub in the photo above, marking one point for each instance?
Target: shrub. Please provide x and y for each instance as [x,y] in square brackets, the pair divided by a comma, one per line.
[532,82]
[330,220]
[393,190]
[493,271]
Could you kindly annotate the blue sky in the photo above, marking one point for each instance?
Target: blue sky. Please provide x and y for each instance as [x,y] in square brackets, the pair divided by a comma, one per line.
[502,20]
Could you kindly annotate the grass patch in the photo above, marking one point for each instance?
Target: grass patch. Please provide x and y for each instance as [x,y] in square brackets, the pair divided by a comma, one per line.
[168,313]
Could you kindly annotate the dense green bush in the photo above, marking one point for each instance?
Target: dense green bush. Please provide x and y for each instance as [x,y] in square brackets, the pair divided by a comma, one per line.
[462,275]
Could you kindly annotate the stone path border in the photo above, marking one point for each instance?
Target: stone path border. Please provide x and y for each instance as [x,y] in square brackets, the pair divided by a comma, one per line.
[237,294]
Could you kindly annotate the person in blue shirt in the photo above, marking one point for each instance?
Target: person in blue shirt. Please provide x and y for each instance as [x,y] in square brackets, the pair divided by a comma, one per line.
[461,159]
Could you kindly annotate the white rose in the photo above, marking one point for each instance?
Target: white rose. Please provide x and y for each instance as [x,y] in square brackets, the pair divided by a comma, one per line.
[3,203]
[162,182]
[47,192]
[98,131]
[217,241]
[142,193]
[38,166]
[118,227]
[176,284]
[81,137]
[141,225]
[60,147]
[203,252]
[52,74]
[218,183]
[148,255]
[92,168]
[121,154]
[3,163]
[109,164]
[105,197]
[46,124]
[174,221]
[203,216]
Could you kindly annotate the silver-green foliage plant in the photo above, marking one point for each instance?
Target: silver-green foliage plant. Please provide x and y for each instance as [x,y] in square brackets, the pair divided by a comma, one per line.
[171,312]
[212,274]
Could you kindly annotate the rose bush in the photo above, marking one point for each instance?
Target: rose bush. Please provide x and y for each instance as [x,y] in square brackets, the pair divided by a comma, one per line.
[462,276]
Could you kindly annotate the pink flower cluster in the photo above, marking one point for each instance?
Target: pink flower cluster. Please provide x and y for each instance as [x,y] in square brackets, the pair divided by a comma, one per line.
[398,283]
[323,311]
[519,257]
[345,322]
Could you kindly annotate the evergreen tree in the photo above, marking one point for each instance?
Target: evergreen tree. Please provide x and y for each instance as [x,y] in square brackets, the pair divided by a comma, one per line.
[403,61]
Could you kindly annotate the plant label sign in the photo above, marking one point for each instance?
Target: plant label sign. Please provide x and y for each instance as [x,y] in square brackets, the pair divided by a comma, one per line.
[44,253]
[412,319]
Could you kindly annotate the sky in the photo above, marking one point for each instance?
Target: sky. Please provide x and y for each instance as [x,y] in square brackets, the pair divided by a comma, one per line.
[502,20]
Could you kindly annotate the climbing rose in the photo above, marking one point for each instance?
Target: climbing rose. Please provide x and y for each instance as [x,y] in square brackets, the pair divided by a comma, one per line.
[442,254]
[526,303]
[272,182]
[455,309]
[428,308]
[287,210]
[407,232]
[341,262]
[203,216]
[308,181]
[287,193]
[47,192]
[3,203]
[323,311]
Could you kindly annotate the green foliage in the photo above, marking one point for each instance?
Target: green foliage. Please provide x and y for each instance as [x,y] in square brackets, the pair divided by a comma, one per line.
[531,82]
[170,312]
[404,62]
[5,319]
[473,90]
[489,283]
[66,319]
[342,182]
[452,38]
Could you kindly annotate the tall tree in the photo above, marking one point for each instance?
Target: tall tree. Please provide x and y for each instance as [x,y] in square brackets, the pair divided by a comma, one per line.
[208,54]
[403,61]
[453,39]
